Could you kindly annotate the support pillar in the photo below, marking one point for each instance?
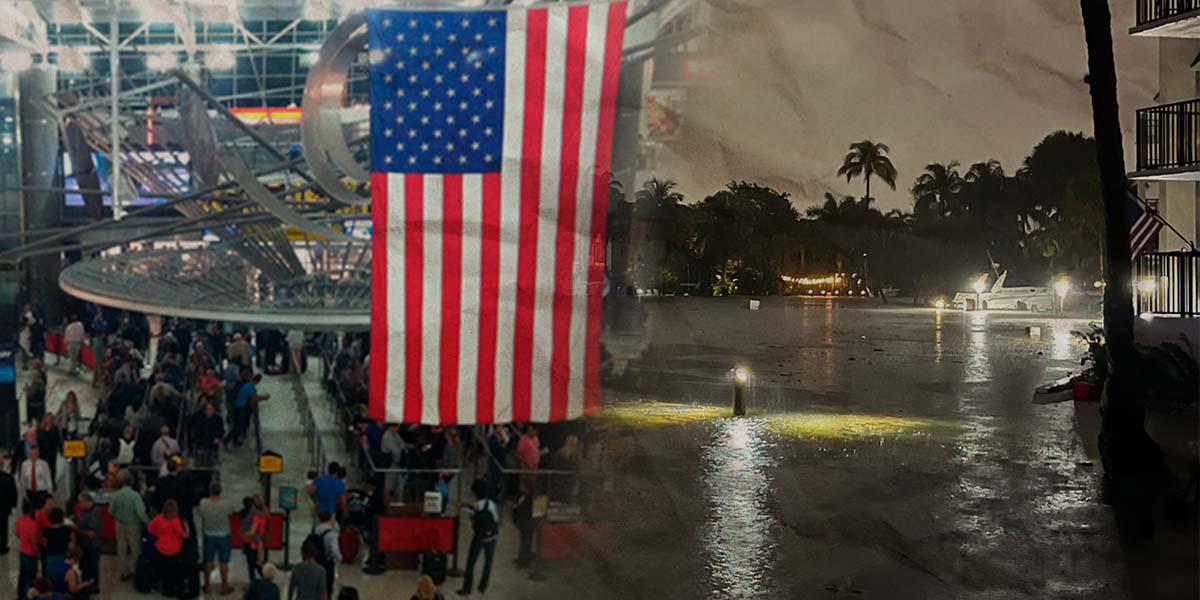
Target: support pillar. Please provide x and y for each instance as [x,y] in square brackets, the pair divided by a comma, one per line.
[40,210]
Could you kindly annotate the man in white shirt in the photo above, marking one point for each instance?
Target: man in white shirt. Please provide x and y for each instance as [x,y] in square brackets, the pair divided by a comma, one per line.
[165,446]
[35,475]
[74,337]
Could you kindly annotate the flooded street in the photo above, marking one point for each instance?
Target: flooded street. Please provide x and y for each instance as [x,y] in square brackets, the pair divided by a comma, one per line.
[890,452]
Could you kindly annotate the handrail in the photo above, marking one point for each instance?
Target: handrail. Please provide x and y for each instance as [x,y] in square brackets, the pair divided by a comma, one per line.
[1151,11]
[1168,136]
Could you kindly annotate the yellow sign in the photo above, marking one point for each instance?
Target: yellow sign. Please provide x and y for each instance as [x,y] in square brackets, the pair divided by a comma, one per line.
[270,463]
[74,449]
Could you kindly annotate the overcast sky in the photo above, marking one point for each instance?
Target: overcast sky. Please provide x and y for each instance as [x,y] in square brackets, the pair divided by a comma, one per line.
[936,80]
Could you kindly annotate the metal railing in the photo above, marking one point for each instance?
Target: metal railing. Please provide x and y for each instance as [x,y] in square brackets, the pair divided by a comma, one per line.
[1151,11]
[1167,283]
[1168,136]
[308,421]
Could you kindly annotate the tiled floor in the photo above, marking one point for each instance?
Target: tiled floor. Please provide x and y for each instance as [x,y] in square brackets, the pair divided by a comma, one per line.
[283,433]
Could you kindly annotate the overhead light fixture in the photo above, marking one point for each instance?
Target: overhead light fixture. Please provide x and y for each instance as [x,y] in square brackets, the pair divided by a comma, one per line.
[15,60]
[162,62]
[221,59]
[309,59]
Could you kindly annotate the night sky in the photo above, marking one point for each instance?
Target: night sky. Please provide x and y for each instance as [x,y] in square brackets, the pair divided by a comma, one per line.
[937,80]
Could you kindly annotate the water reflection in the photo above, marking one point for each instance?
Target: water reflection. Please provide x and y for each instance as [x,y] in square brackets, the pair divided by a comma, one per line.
[937,337]
[1064,344]
[738,535]
[978,365]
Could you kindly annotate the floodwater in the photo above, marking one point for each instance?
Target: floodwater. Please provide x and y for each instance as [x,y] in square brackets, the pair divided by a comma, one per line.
[890,452]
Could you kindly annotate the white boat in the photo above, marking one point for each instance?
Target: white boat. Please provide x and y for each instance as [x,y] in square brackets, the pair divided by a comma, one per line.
[1006,298]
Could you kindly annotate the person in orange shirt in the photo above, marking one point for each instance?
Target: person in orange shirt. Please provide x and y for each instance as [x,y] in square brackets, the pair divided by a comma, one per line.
[30,548]
[169,532]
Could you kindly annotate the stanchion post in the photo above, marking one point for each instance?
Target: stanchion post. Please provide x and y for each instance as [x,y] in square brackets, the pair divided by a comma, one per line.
[287,540]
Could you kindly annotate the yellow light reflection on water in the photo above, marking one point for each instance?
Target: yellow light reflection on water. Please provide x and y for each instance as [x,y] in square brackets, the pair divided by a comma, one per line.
[800,425]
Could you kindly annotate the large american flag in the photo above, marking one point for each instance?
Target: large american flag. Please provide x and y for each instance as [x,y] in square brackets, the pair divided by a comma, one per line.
[491,144]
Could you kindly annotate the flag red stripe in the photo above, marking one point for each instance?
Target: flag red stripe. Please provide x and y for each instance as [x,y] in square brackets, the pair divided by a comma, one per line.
[489,297]
[414,250]
[379,304]
[531,176]
[452,226]
[564,247]
[604,141]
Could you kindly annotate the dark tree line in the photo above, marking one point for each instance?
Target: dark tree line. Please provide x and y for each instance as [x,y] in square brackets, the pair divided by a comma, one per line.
[1042,220]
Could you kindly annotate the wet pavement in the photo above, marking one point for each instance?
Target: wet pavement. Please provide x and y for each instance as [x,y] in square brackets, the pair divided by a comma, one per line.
[891,452]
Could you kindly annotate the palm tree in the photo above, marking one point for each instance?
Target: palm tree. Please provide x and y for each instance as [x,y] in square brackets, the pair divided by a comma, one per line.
[866,158]
[935,191]
[659,193]
[1133,463]
[983,170]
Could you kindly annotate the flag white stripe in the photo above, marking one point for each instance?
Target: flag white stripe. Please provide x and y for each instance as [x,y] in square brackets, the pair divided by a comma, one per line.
[593,77]
[510,176]
[552,135]
[472,255]
[431,297]
[395,298]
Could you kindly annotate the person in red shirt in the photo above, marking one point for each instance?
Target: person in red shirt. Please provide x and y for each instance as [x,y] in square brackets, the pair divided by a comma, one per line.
[30,549]
[169,533]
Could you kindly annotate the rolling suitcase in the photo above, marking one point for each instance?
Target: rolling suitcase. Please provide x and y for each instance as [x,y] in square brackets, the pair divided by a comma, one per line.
[433,564]
[143,575]
[348,544]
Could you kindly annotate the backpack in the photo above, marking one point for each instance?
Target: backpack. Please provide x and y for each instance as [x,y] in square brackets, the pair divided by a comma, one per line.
[317,540]
[484,522]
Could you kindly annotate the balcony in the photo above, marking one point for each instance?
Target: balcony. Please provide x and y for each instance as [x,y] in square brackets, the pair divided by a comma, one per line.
[1167,284]
[1168,142]
[1167,18]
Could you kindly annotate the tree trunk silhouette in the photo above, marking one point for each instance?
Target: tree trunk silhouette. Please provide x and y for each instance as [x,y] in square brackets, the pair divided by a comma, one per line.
[1133,466]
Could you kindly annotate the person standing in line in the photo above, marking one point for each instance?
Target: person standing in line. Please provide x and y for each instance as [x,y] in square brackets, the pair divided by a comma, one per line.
[329,554]
[245,403]
[74,581]
[49,439]
[56,539]
[68,416]
[129,512]
[254,532]
[329,489]
[8,501]
[74,336]
[308,578]
[427,590]
[218,541]
[35,397]
[264,587]
[127,446]
[165,446]
[169,532]
[485,526]
[239,350]
[34,478]
[29,548]
[87,535]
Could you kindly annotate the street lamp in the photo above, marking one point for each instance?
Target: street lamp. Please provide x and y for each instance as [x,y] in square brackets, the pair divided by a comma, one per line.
[1061,287]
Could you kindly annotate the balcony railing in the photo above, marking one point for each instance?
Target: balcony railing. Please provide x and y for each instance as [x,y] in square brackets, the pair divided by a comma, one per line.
[1168,136]
[1150,12]
[1167,283]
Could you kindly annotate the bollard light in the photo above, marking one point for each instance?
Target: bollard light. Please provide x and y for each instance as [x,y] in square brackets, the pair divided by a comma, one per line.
[939,304]
[741,381]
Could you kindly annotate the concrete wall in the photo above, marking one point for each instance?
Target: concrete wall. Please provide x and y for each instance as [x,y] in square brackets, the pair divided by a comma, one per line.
[1178,203]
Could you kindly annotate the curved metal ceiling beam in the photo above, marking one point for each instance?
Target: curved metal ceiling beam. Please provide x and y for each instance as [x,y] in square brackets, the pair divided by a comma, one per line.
[321,133]
[259,193]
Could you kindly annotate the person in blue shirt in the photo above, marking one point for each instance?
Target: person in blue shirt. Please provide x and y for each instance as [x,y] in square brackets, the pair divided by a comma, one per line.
[329,489]
[245,403]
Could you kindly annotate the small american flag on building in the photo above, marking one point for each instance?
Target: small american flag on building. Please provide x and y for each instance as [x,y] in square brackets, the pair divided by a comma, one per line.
[491,144]
[1144,225]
